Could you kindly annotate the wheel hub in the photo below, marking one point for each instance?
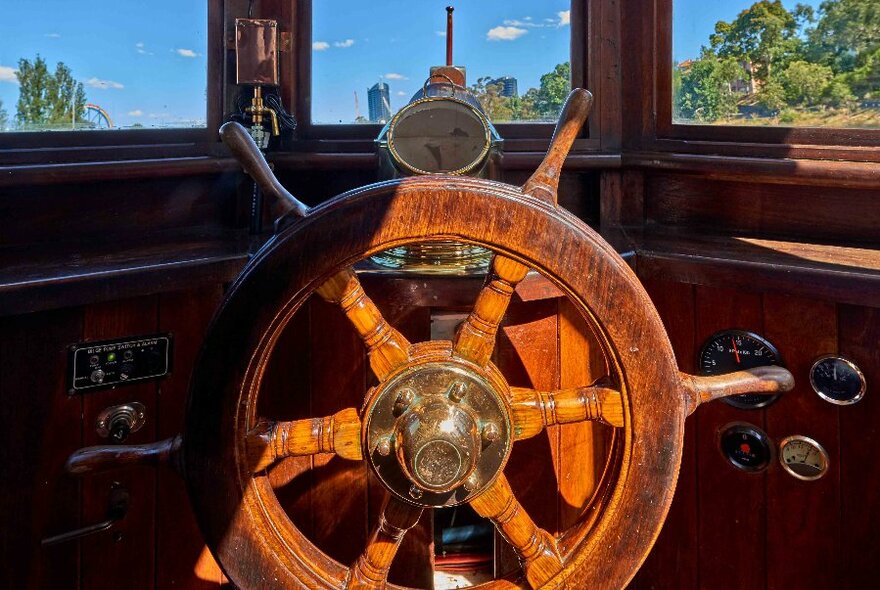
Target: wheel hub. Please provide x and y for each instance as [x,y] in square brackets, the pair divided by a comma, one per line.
[438,431]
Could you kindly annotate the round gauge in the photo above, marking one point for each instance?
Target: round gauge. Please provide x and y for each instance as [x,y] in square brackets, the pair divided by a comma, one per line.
[737,350]
[803,457]
[837,380]
[746,447]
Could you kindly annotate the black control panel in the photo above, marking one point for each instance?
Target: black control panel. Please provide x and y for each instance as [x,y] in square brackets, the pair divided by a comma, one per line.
[110,363]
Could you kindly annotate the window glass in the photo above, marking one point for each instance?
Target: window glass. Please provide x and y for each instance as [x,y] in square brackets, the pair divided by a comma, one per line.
[807,63]
[370,58]
[102,64]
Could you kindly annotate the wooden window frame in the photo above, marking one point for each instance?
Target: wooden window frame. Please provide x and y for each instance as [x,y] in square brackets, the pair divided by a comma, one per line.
[791,142]
[359,138]
[63,147]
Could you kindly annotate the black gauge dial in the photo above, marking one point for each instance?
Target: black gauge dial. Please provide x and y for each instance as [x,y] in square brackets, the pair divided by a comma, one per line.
[747,447]
[737,350]
[837,380]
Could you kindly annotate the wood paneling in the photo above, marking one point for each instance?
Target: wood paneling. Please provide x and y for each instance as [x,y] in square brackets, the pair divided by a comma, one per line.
[859,341]
[40,426]
[126,553]
[731,503]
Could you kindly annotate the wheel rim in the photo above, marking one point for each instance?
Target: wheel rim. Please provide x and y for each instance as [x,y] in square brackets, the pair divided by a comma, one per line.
[363,222]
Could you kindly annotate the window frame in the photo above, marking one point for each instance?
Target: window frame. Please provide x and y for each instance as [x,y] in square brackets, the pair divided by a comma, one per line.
[351,137]
[774,141]
[40,147]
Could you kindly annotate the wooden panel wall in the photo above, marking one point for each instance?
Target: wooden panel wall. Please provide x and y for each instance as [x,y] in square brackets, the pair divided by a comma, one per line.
[731,529]
[157,544]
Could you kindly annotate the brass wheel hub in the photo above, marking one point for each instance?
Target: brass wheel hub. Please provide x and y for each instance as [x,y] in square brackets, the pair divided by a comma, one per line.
[438,431]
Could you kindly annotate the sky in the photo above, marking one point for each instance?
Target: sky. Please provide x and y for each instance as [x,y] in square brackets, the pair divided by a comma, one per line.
[142,61]
[694,20]
[357,43]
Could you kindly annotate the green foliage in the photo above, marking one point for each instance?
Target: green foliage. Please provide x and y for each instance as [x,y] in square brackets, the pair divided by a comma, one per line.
[536,104]
[555,88]
[4,118]
[805,83]
[764,35]
[771,96]
[846,33]
[707,92]
[793,61]
[48,100]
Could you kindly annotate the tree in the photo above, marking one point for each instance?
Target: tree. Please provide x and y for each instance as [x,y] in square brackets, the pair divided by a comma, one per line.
[555,88]
[764,35]
[4,118]
[707,88]
[846,33]
[48,100]
[805,83]
[496,107]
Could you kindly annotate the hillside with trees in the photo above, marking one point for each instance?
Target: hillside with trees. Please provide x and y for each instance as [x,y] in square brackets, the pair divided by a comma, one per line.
[771,65]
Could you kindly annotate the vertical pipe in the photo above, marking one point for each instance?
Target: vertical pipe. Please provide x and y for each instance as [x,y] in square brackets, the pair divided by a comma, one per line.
[449,10]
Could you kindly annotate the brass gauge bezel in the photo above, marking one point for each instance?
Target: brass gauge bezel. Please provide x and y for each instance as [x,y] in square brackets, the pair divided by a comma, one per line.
[837,402]
[812,442]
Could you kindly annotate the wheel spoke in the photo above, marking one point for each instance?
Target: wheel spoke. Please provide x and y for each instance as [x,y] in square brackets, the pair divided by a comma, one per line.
[387,347]
[475,339]
[534,410]
[535,547]
[371,568]
[340,433]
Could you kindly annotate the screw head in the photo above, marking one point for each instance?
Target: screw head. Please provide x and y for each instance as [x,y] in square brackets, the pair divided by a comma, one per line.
[383,447]
[415,493]
[404,399]
[491,433]
[471,483]
[457,390]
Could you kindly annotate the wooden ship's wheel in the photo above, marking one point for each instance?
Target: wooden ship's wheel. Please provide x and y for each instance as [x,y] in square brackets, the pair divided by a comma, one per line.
[438,428]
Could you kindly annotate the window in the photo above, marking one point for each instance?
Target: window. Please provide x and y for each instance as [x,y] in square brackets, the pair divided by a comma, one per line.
[370,58]
[105,64]
[789,63]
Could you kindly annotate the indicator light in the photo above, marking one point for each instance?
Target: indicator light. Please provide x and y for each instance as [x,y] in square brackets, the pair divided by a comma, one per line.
[111,357]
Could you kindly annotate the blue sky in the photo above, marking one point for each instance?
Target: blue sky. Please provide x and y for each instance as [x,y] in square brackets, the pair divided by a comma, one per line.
[143,62]
[359,43]
[694,20]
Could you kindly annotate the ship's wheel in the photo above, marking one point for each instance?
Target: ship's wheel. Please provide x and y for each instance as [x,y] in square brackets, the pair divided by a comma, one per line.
[438,428]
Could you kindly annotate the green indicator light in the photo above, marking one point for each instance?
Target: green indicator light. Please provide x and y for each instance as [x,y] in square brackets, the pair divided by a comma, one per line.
[111,357]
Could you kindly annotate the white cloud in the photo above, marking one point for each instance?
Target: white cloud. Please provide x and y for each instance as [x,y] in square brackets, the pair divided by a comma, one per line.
[505,33]
[525,22]
[103,84]
[141,48]
[320,46]
[440,33]
[186,53]
[401,93]
[564,17]
[7,74]
[344,44]
[52,35]
[136,113]
[395,76]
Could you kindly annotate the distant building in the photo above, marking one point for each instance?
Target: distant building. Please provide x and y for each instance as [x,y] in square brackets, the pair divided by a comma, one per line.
[508,86]
[380,103]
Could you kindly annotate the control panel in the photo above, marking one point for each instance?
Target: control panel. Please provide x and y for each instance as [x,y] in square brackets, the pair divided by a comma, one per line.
[110,363]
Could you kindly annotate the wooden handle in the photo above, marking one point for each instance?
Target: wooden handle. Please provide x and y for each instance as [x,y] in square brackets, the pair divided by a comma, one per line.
[371,569]
[242,146]
[766,380]
[106,457]
[339,433]
[544,183]
[535,410]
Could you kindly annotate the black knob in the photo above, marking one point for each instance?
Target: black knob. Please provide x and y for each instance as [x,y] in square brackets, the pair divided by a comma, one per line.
[120,428]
